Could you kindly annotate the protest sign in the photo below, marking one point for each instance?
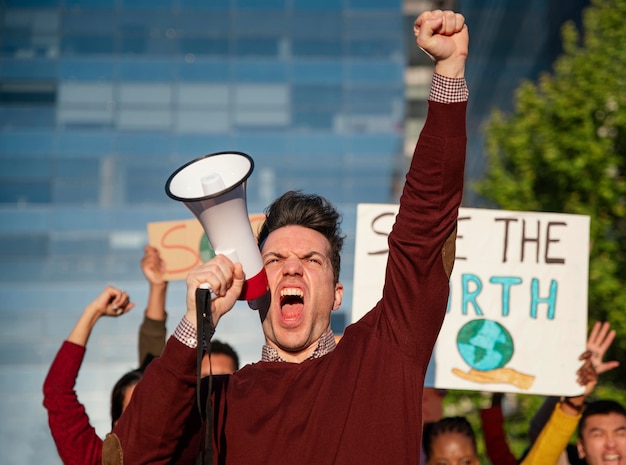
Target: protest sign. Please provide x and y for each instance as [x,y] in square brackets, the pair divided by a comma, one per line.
[183,244]
[517,314]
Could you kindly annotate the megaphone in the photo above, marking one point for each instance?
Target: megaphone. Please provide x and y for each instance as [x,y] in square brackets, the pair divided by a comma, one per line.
[213,187]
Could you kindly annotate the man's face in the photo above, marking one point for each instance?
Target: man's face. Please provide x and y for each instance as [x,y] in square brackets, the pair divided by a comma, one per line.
[603,440]
[303,290]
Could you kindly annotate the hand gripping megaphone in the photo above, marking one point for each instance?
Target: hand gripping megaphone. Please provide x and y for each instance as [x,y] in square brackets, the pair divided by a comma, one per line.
[213,187]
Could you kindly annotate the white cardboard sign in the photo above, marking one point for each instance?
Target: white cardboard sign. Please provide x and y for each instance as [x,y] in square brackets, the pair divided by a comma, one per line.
[517,313]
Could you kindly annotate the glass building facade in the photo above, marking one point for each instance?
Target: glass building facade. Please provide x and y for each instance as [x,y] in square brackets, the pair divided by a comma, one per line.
[101,100]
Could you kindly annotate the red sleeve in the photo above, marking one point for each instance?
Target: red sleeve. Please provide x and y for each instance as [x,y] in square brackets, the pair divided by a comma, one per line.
[76,440]
[416,288]
[161,424]
[496,444]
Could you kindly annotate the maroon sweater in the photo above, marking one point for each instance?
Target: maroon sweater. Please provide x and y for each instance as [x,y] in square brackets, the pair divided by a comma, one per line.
[360,404]
[75,438]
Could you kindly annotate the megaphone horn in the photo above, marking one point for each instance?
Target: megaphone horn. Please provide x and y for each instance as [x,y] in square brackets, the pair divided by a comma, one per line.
[213,187]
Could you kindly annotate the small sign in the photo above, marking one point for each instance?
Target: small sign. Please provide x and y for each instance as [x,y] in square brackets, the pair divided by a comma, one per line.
[183,244]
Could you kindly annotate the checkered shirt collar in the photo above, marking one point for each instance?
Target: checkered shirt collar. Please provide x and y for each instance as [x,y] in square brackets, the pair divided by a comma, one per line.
[325,346]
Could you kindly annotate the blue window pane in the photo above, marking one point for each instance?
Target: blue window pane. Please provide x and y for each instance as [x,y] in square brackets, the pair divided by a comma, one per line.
[77,168]
[89,22]
[87,45]
[76,192]
[154,70]
[372,99]
[27,117]
[147,4]
[377,145]
[218,23]
[375,4]
[18,221]
[316,96]
[260,4]
[260,71]
[326,147]
[307,24]
[153,145]
[205,71]
[25,167]
[83,246]
[376,72]
[146,183]
[18,191]
[374,48]
[150,45]
[26,143]
[317,5]
[205,46]
[260,24]
[312,120]
[14,41]
[133,45]
[85,144]
[31,3]
[41,69]
[379,24]
[96,4]
[318,72]
[191,146]
[263,147]
[256,47]
[316,48]
[24,246]
[204,5]
[91,70]
[84,219]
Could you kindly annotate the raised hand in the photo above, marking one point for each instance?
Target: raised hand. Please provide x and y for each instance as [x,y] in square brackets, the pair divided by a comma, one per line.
[152,265]
[599,341]
[444,37]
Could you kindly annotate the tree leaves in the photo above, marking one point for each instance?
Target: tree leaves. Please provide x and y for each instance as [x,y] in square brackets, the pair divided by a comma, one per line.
[563,149]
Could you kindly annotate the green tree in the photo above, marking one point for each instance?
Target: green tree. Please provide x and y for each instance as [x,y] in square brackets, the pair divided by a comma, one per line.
[563,149]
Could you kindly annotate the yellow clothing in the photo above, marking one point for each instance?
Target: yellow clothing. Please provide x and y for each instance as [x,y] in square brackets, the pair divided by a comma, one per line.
[553,438]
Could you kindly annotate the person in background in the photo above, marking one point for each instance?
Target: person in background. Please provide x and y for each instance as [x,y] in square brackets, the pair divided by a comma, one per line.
[450,441]
[152,330]
[556,420]
[76,440]
[310,400]
[602,433]
[224,359]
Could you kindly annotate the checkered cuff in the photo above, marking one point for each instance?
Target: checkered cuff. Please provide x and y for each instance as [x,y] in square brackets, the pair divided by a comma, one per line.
[448,90]
[185,332]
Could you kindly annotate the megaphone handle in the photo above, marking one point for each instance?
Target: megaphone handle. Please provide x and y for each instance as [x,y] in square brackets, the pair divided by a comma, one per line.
[204,295]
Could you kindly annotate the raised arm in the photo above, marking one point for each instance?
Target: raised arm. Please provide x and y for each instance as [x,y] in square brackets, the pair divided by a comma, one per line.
[76,440]
[422,242]
[152,331]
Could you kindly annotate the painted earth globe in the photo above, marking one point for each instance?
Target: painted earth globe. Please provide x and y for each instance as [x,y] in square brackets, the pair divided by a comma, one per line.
[485,344]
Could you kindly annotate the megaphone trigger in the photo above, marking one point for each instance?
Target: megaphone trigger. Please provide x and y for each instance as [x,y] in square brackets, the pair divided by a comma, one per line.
[206,286]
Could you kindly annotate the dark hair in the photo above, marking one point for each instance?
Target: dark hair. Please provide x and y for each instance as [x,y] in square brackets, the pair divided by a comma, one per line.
[446,425]
[600,407]
[219,347]
[310,211]
[117,394]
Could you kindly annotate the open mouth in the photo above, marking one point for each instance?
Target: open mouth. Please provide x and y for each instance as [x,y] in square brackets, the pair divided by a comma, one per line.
[291,296]
[611,457]
[291,306]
